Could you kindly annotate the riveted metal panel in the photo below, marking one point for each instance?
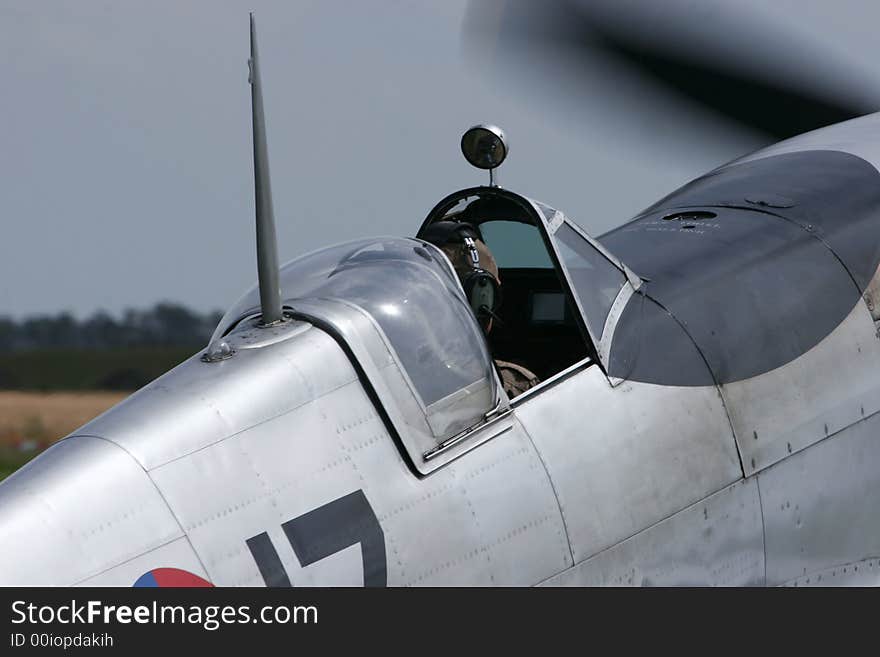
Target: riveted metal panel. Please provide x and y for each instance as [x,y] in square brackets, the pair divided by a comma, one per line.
[177,554]
[623,458]
[489,518]
[511,528]
[715,542]
[827,389]
[865,572]
[820,506]
[198,403]
[81,507]
[251,483]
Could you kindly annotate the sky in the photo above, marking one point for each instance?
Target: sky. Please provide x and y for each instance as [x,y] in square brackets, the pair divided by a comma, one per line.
[125,146]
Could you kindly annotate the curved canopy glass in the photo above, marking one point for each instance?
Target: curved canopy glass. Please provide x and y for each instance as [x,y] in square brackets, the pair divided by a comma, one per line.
[409,290]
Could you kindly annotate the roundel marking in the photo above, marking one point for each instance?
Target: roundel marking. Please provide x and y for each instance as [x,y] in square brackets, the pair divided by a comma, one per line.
[171,578]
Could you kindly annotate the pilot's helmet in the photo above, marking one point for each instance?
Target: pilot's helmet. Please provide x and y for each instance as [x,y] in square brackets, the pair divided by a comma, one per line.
[473,262]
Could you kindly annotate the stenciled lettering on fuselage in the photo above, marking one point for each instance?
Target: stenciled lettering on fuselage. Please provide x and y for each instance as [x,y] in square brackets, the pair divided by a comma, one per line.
[325,531]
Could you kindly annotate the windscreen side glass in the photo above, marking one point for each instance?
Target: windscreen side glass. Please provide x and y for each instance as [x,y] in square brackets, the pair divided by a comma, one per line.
[596,280]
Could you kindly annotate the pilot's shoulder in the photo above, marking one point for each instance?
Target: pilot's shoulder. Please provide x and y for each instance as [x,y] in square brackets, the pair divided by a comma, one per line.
[515,378]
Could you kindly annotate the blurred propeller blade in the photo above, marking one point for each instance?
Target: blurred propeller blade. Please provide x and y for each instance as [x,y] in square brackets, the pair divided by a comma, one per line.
[730,58]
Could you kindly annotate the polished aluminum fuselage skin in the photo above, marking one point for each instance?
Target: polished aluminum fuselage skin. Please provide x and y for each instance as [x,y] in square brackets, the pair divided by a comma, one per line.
[585,480]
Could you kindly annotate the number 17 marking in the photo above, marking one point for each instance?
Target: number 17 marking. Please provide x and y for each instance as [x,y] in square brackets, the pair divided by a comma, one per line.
[324,531]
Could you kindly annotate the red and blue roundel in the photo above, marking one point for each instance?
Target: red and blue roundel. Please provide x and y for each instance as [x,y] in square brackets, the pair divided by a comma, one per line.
[171,578]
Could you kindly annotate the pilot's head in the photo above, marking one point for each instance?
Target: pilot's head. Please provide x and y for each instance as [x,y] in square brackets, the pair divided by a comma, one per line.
[473,262]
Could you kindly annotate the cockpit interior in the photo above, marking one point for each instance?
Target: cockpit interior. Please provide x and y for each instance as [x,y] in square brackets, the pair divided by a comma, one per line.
[536,323]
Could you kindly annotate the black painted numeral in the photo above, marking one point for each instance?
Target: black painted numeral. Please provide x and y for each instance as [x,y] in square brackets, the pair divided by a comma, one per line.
[268,561]
[325,531]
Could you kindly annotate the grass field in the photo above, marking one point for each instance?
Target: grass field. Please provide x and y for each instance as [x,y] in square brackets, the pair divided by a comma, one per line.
[88,369]
[31,421]
[47,393]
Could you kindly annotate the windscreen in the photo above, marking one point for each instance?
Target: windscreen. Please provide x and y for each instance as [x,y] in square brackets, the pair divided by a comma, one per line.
[595,279]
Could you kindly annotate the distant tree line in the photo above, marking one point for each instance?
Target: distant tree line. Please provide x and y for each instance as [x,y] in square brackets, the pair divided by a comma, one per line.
[164,325]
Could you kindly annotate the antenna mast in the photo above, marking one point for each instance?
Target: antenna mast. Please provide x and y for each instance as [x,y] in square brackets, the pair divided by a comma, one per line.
[267,247]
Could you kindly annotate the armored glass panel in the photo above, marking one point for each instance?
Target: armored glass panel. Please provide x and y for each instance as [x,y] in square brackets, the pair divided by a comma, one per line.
[516,244]
[411,293]
[595,279]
